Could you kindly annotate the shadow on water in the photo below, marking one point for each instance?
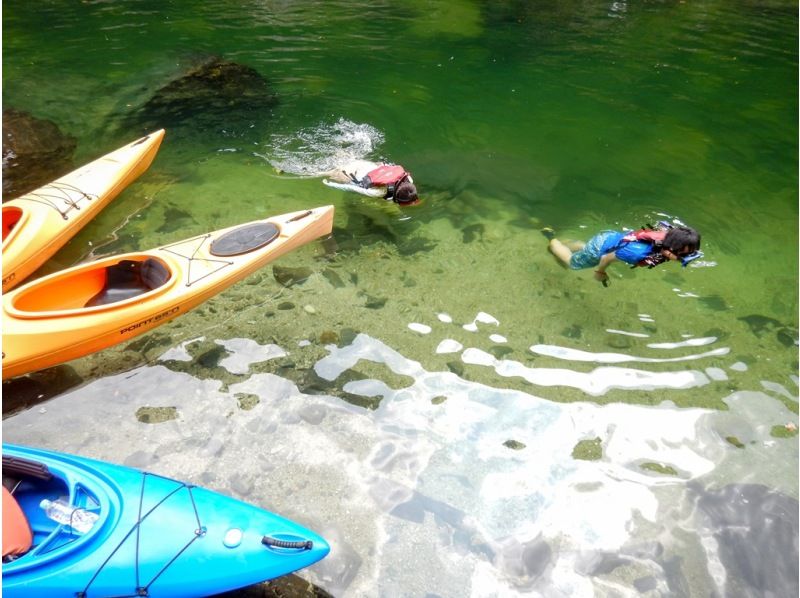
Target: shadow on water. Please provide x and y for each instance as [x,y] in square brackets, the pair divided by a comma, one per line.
[756,529]
[25,392]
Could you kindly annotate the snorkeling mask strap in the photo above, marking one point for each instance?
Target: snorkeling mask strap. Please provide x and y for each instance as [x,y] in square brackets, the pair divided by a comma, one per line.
[390,189]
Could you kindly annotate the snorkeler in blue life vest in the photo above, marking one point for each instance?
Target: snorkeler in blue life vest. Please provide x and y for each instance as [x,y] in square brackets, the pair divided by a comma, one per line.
[387,181]
[646,247]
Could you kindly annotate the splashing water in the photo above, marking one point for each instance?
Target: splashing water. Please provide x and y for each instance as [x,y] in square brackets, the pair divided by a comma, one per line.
[321,148]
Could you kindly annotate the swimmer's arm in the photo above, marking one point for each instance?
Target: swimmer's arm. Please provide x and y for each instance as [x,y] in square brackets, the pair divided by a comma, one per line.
[371,192]
[605,261]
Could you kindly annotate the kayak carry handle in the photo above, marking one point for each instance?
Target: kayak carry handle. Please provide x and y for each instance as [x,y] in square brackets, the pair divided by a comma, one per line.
[305,544]
[300,216]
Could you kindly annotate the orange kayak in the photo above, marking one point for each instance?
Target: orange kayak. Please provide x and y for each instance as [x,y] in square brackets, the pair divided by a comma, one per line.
[39,223]
[93,306]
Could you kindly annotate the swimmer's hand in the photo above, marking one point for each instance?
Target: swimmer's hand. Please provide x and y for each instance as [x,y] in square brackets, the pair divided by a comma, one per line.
[601,276]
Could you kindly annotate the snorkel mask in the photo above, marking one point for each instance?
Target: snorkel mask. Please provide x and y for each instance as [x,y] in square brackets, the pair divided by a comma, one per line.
[687,259]
[684,259]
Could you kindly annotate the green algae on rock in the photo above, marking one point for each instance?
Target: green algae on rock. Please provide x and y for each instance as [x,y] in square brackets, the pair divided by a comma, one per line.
[514,444]
[784,431]
[329,337]
[156,415]
[588,450]
[247,401]
[735,441]
[659,468]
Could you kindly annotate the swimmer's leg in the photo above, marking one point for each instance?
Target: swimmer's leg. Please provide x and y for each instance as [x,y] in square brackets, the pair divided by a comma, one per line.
[575,245]
[561,251]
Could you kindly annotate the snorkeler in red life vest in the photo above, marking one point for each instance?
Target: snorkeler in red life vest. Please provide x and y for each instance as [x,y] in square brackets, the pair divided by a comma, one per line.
[388,181]
[646,247]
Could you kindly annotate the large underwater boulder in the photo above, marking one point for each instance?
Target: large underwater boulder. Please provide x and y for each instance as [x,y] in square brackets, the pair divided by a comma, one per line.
[209,94]
[35,151]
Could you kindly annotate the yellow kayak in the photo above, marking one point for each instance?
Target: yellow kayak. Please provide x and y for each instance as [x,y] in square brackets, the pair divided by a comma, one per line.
[39,223]
[93,306]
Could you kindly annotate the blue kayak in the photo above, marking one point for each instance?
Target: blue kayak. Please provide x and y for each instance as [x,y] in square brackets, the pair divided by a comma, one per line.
[153,536]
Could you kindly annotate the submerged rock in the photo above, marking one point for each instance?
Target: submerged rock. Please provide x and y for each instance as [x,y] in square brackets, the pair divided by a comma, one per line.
[416,245]
[35,152]
[575,331]
[373,302]
[291,276]
[333,278]
[500,351]
[156,415]
[472,232]
[588,450]
[212,357]
[209,93]
[785,431]
[733,440]
[659,468]
[714,303]
[329,337]
[514,444]
[175,220]
[618,341]
[247,400]
[787,336]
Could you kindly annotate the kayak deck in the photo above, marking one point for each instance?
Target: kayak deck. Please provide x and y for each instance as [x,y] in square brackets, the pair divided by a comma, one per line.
[154,536]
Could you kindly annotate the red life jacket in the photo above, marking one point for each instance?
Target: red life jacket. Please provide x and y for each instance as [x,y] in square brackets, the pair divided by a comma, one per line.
[654,238]
[387,174]
[646,235]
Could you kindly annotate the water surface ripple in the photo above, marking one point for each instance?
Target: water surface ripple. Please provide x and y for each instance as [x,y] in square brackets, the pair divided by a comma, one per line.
[430,390]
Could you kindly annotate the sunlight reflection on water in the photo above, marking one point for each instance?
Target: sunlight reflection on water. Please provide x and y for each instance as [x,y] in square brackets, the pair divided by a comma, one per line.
[485,489]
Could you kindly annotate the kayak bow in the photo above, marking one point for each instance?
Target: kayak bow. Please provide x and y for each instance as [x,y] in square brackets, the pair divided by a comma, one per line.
[153,536]
[39,223]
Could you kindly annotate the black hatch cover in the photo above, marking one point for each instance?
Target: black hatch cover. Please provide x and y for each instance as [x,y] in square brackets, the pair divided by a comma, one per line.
[244,239]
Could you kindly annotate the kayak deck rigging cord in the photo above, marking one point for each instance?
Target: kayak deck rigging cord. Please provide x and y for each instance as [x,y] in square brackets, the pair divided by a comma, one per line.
[191,258]
[199,531]
[59,193]
[238,241]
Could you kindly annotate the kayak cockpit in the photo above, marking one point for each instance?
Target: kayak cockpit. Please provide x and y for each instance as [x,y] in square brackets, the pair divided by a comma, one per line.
[101,284]
[28,533]
[12,215]
[129,278]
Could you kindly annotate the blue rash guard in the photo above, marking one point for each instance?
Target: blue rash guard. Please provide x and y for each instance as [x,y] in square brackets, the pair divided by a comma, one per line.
[609,241]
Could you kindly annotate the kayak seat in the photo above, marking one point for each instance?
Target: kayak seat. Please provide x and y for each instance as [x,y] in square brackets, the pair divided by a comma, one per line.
[130,278]
[17,534]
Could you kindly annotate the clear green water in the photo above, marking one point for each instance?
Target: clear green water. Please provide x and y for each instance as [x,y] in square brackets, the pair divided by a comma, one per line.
[511,116]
